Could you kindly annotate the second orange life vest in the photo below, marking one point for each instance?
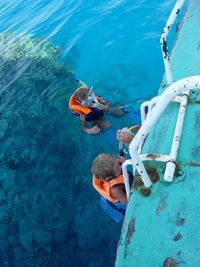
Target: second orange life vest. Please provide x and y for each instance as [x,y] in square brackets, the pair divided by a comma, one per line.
[104,187]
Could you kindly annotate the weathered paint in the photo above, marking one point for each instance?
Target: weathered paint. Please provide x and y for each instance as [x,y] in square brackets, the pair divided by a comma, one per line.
[163,40]
[166,223]
[159,108]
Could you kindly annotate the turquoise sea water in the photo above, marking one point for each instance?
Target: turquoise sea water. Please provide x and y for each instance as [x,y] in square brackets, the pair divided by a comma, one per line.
[49,213]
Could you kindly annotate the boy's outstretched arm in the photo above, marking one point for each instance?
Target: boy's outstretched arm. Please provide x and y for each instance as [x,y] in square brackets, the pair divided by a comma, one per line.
[94,130]
[103,101]
[118,193]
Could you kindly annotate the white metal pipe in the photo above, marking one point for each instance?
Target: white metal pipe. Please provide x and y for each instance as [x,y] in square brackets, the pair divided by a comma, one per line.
[177,99]
[170,168]
[169,171]
[149,105]
[139,166]
[126,176]
[176,88]
[163,39]
[143,110]
[178,129]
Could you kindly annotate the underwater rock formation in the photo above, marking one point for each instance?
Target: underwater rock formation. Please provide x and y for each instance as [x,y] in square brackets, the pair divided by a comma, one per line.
[44,191]
[33,89]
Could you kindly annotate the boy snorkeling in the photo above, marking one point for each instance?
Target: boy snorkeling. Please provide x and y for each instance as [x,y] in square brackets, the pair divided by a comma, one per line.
[97,106]
[91,108]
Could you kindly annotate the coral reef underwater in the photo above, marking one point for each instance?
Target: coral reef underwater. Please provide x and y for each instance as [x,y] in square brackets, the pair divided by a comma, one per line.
[47,204]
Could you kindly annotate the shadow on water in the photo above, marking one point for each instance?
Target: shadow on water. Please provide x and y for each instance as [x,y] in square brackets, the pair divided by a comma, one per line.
[123,82]
[49,213]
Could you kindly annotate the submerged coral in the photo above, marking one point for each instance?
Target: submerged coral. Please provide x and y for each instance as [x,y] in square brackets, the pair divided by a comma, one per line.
[43,185]
[33,89]
[15,47]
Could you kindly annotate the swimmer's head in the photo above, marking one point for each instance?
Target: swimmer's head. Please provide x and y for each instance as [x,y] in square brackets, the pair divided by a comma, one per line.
[81,94]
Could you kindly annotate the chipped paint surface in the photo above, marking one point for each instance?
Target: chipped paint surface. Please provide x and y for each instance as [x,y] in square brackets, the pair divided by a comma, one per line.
[162,230]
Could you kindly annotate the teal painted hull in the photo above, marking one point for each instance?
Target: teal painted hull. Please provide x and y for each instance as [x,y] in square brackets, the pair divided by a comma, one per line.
[163,228]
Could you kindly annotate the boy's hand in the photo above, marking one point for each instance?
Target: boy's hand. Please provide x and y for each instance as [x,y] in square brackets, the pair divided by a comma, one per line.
[103,101]
[82,117]
[125,137]
[121,160]
[102,106]
[94,130]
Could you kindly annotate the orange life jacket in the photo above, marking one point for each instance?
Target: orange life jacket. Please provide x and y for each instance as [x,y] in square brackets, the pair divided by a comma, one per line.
[104,187]
[76,107]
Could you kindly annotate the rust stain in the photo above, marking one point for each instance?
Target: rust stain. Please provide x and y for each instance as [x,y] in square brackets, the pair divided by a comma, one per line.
[139,185]
[180,222]
[162,203]
[177,237]
[177,138]
[130,232]
[153,156]
[194,102]
[145,191]
[170,262]
[153,174]
[180,258]
[194,164]
[160,208]
[163,85]
[137,182]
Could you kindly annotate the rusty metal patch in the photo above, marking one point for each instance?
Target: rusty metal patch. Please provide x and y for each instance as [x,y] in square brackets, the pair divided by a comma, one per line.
[170,262]
[180,221]
[153,156]
[177,237]
[130,232]
[193,164]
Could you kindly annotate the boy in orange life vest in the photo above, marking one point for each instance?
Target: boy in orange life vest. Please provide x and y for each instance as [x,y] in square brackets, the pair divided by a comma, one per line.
[91,111]
[107,172]
[108,179]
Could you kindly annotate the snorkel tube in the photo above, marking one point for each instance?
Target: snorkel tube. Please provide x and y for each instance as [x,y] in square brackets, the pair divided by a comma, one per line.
[82,83]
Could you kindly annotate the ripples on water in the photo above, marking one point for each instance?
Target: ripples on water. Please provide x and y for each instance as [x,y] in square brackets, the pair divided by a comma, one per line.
[49,213]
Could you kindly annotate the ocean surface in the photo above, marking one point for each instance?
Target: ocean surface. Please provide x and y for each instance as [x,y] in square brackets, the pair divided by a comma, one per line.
[49,213]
